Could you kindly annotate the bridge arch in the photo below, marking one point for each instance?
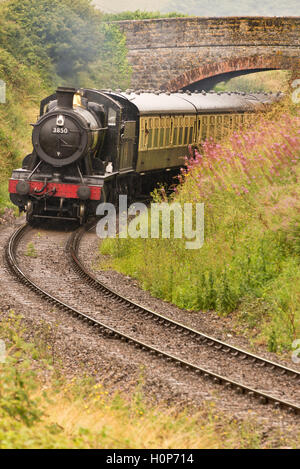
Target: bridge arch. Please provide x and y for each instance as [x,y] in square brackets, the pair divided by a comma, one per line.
[173,53]
[230,67]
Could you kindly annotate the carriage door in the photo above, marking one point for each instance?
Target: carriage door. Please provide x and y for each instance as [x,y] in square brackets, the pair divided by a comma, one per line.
[127,145]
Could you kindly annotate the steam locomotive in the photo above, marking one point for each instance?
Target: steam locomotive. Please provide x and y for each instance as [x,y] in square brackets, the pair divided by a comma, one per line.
[89,146]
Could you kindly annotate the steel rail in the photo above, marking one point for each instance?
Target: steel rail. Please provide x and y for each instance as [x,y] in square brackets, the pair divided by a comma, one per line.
[10,253]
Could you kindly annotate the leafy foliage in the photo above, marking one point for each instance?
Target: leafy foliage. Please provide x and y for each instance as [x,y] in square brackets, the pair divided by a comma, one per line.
[273,81]
[66,40]
[139,15]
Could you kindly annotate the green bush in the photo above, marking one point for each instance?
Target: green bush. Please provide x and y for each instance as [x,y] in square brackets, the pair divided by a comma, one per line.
[139,15]
[67,41]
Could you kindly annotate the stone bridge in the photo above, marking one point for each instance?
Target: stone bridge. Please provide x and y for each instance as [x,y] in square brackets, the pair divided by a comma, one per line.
[180,53]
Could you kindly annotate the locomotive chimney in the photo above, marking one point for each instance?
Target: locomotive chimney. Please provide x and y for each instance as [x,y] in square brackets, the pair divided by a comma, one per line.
[65,96]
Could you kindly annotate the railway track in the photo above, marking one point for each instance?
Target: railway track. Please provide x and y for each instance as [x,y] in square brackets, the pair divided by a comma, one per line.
[73,245]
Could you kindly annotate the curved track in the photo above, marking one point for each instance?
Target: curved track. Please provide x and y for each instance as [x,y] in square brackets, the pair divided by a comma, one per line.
[223,347]
[73,246]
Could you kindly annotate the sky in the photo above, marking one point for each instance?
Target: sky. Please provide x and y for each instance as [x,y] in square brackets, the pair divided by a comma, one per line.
[205,7]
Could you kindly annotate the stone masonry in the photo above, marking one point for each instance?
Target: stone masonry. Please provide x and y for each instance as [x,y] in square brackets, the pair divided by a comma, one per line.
[173,53]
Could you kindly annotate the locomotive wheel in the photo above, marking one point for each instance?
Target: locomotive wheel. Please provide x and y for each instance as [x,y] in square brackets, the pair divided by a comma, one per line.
[29,212]
[82,213]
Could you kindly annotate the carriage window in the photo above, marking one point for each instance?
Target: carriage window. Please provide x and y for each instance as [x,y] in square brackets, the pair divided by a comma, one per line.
[199,129]
[142,137]
[175,133]
[212,126]
[219,129]
[150,134]
[146,135]
[180,136]
[236,121]
[155,138]
[186,135]
[167,142]
[180,130]
[191,139]
[156,126]
[250,118]
[112,116]
[142,134]
[204,128]
[161,137]
[226,124]
[189,134]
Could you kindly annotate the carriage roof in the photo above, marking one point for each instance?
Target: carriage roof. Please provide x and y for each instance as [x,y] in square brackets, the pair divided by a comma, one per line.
[201,102]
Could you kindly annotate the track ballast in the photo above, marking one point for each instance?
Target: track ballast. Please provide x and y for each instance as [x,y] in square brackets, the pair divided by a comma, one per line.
[206,340]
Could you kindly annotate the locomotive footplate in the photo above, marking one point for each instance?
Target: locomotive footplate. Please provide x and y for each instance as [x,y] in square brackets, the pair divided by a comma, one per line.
[39,189]
[39,196]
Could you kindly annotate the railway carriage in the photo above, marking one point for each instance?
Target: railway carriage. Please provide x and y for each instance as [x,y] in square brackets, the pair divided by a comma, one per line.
[89,146]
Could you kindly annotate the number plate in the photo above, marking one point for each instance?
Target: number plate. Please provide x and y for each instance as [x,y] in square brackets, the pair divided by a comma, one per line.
[60,130]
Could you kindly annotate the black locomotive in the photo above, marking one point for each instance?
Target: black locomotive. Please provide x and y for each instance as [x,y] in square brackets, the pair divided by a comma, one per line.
[89,146]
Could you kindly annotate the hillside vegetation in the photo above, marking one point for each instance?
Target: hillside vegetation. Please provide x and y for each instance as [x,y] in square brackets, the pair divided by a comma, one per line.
[41,409]
[273,80]
[139,15]
[250,260]
[45,43]
[67,41]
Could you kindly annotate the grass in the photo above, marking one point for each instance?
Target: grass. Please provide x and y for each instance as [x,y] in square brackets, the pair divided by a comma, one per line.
[41,409]
[30,250]
[249,264]
[274,80]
